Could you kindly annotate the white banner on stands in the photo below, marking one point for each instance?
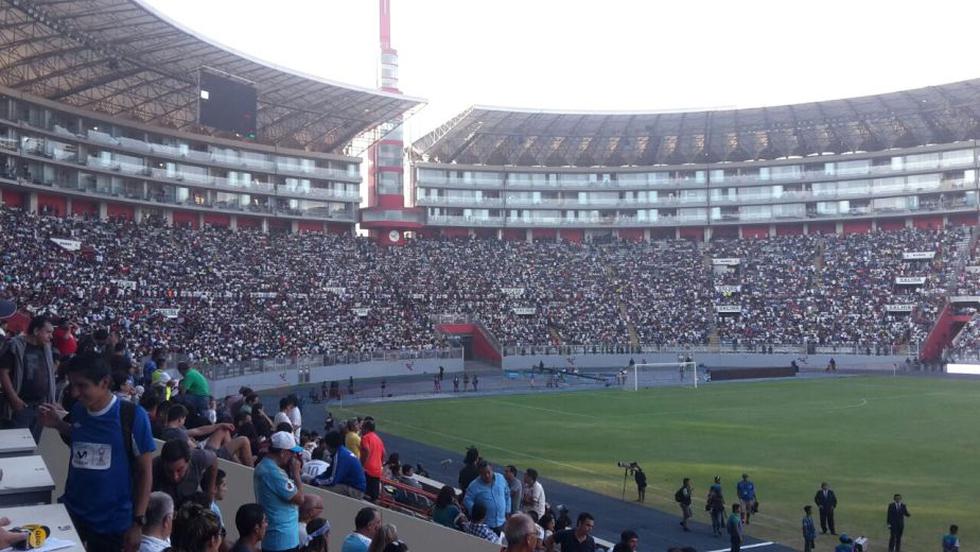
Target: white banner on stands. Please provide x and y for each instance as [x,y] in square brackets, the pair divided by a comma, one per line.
[361,311]
[68,245]
[124,284]
[899,308]
[726,261]
[728,289]
[512,291]
[918,255]
[336,290]
[524,311]
[169,313]
[736,309]
[910,280]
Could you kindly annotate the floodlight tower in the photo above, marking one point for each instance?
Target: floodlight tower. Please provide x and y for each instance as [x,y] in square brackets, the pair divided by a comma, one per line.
[386,216]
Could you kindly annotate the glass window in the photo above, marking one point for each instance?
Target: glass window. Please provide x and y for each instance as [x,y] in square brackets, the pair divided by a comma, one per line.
[862,166]
[920,182]
[957,158]
[787,172]
[922,161]
[886,185]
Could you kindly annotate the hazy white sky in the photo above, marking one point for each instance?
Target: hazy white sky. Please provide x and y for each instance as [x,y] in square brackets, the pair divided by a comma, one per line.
[609,54]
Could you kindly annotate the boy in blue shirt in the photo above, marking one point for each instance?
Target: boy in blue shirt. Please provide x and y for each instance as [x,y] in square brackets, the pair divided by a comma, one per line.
[809,530]
[746,497]
[108,486]
[951,542]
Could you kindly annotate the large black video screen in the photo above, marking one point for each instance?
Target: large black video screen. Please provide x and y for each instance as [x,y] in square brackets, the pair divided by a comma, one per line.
[227,104]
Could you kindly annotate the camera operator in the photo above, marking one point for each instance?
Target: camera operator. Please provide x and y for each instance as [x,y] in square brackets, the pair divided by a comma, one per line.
[279,490]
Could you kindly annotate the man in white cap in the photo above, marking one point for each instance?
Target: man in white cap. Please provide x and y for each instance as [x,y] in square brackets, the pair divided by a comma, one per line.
[279,490]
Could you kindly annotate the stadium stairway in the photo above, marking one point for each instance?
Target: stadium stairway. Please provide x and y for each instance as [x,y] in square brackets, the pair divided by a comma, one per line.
[948,325]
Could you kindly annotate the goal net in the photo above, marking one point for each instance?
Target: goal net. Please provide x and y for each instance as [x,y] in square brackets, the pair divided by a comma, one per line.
[660,374]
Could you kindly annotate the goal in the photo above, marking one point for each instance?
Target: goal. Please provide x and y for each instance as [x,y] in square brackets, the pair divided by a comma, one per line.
[660,374]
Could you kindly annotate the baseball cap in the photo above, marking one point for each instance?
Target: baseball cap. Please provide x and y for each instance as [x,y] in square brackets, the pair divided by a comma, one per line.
[283,440]
[7,309]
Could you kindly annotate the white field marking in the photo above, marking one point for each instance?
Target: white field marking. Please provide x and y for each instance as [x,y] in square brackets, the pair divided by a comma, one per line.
[746,547]
[862,402]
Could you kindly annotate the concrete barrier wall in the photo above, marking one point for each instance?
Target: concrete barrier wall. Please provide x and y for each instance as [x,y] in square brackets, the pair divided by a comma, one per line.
[337,372]
[726,360]
[339,510]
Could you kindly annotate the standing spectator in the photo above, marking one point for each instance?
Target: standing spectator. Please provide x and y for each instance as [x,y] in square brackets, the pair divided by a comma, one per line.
[279,489]
[352,439]
[574,540]
[196,529]
[27,375]
[897,512]
[285,415]
[735,528]
[469,471]
[159,523]
[809,529]
[826,501]
[520,534]
[476,380]
[490,489]
[951,542]
[746,497]
[366,525]
[150,365]
[477,525]
[716,507]
[179,471]
[251,522]
[629,541]
[683,497]
[516,487]
[641,484]
[194,391]
[347,475]
[105,494]
[456,384]
[296,417]
[372,456]
[534,500]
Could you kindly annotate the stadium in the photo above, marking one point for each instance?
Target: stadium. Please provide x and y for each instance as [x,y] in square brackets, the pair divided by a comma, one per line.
[787,292]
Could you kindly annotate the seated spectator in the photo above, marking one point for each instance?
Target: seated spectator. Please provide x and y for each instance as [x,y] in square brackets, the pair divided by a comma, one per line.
[217,437]
[576,539]
[251,523]
[179,471]
[318,530]
[220,488]
[366,525]
[477,525]
[629,541]
[347,473]
[386,535]
[159,523]
[520,534]
[195,529]
[309,509]
[445,511]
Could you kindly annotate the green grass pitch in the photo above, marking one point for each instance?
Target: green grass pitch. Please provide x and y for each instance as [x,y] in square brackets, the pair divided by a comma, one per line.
[869,437]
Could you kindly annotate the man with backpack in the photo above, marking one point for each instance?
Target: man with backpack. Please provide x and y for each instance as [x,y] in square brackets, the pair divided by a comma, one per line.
[27,375]
[683,497]
[109,475]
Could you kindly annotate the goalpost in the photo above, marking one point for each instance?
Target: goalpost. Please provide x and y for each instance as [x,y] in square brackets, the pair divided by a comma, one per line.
[661,373]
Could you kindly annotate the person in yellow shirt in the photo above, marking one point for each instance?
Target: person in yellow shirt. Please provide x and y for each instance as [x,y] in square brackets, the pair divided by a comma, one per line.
[352,440]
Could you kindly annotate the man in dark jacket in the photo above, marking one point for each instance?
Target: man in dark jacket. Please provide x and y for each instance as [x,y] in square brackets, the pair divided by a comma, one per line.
[27,375]
[897,512]
[826,501]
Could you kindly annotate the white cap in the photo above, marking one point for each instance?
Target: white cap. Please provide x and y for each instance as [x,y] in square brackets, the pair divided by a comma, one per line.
[283,440]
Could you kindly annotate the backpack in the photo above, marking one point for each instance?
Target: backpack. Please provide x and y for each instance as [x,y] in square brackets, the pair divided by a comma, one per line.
[679,495]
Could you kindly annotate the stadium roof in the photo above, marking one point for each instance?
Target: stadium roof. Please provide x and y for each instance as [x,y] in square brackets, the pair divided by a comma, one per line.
[499,136]
[122,58]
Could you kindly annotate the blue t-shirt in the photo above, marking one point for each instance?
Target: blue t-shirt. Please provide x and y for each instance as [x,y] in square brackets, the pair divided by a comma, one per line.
[746,490]
[273,491]
[355,542]
[99,487]
[149,367]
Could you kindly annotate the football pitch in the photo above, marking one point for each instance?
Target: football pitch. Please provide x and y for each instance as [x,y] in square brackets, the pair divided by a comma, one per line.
[868,437]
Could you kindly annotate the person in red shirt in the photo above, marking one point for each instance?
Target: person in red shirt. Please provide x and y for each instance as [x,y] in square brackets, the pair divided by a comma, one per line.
[372,457]
[64,338]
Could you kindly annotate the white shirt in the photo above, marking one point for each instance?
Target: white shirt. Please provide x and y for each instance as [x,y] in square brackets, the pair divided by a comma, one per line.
[534,494]
[296,420]
[153,544]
